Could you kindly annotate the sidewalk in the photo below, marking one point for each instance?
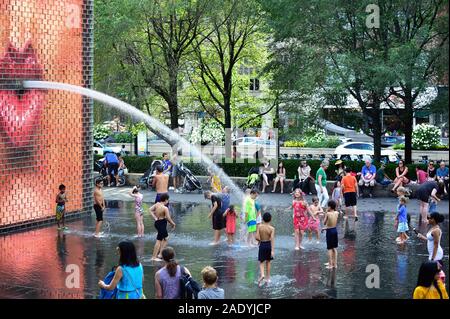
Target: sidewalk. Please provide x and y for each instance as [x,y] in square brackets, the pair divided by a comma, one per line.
[276,200]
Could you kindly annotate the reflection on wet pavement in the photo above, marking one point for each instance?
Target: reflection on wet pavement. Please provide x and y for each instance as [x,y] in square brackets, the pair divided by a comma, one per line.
[36,263]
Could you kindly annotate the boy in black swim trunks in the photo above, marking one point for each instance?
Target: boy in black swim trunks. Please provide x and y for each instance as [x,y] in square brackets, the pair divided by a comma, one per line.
[99,207]
[330,222]
[265,235]
[161,214]
[61,200]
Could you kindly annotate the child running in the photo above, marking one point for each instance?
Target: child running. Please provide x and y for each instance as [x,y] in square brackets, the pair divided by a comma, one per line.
[330,222]
[300,207]
[314,221]
[402,221]
[250,217]
[265,234]
[161,214]
[138,211]
[230,216]
[61,200]
[337,195]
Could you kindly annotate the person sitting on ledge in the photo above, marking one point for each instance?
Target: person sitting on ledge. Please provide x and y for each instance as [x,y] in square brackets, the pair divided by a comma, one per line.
[368,175]
[382,177]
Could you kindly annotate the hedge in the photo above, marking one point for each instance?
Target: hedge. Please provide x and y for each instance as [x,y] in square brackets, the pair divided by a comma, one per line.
[140,164]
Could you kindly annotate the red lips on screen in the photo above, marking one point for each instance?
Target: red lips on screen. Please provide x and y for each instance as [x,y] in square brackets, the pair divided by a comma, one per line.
[20,110]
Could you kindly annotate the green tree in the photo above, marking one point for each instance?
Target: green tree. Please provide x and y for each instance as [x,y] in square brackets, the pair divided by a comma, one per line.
[230,56]
[417,33]
[147,43]
[329,46]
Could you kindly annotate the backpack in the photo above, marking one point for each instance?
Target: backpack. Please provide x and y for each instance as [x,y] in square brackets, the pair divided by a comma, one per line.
[108,294]
[189,288]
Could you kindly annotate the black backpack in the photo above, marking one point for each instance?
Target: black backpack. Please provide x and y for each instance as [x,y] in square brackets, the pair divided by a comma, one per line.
[189,288]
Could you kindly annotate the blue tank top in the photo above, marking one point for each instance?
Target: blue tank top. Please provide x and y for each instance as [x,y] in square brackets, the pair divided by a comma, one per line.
[131,279]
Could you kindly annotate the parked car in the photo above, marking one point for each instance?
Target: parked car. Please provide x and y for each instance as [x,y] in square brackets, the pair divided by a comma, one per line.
[101,149]
[361,151]
[344,139]
[253,141]
[387,141]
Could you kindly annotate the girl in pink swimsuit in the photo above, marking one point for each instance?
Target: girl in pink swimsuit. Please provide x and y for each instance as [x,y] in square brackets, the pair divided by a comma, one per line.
[300,216]
[314,221]
[138,210]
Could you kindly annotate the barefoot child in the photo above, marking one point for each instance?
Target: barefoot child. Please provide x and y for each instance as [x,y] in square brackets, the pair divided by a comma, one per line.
[402,191]
[138,211]
[216,185]
[250,217]
[265,234]
[337,195]
[258,213]
[161,214]
[330,222]
[314,222]
[230,216]
[61,200]
[300,221]
[402,221]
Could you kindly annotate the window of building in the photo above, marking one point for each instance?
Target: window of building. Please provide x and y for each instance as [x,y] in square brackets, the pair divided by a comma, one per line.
[254,85]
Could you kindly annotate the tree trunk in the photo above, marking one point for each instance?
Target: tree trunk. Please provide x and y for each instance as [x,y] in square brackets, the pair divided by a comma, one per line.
[408,129]
[408,124]
[376,130]
[227,113]
[276,125]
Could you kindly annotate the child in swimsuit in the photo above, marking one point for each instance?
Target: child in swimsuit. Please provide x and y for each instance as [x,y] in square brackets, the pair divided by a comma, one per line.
[314,221]
[300,221]
[230,215]
[161,215]
[250,217]
[138,210]
[402,221]
[265,235]
[216,185]
[61,200]
[330,222]
[258,213]
[337,195]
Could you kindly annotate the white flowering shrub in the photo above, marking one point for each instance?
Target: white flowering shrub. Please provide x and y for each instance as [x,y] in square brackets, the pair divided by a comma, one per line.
[425,137]
[207,132]
[101,131]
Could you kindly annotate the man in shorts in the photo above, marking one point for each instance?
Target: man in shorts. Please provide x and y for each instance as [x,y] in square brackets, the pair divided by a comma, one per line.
[99,207]
[350,191]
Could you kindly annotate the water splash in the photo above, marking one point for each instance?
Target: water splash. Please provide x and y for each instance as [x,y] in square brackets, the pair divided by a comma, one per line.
[138,115]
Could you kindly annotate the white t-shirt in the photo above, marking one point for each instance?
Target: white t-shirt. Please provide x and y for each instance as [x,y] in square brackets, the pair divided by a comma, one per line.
[304,172]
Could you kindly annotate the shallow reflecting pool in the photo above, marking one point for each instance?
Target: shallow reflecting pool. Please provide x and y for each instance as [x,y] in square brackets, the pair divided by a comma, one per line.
[42,263]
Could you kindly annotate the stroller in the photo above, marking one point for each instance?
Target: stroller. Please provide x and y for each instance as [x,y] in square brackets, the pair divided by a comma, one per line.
[190,182]
[253,179]
[146,180]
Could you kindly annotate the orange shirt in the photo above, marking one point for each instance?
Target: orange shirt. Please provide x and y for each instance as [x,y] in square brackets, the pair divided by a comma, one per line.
[349,184]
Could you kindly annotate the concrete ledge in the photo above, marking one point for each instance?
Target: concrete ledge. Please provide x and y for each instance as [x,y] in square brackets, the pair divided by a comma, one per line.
[379,191]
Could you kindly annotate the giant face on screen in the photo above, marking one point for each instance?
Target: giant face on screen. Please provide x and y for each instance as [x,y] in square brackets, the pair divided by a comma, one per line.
[42,135]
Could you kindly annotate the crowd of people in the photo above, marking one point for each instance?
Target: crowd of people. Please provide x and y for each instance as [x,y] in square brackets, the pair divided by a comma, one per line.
[321,215]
